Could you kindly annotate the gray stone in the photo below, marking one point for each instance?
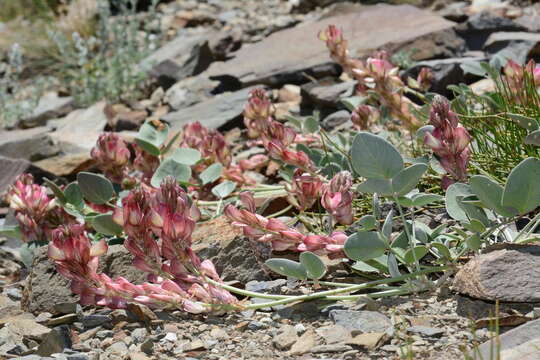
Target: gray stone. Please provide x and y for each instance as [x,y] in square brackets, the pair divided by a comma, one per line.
[330,348]
[508,273]
[273,286]
[66,308]
[189,91]
[531,22]
[185,56]
[138,335]
[362,321]
[13,293]
[336,119]
[45,287]
[333,334]
[55,341]
[94,320]
[30,144]
[479,26]
[425,331]
[118,348]
[285,338]
[50,106]
[328,93]
[518,46]
[477,309]
[213,113]
[285,56]
[521,343]
[79,131]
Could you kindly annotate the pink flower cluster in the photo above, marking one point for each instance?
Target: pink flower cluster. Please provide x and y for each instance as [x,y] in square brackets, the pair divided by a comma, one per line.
[276,137]
[279,235]
[112,155]
[337,198]
[158,223]
[377,74]
[36,212]
[449,141]
[516,76]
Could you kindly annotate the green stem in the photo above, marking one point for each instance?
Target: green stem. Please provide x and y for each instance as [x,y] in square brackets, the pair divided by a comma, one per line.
[247,292]
[407,232]
[280,212]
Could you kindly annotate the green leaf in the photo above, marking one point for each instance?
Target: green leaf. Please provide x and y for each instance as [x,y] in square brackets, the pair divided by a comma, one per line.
[472,211]
[424,199]
[522,190]
[418,251]
[74,195]
[533,138]
[287,267]
[490,194]
[387,226]
[314,266]
[475,226]
[186,156]
[331,169]
[393,266]
[453,208]
[367,222]
[58,193]
[364,245]
[374,157]
[151,139]
[27,252]
[379,186]
[224,189]
[473,67]
[405,201]
[474,242]
[104,224]
[526,122]
[407,179]
[95,188]
[13,231]
[442,250]
[211,173]
[311,124]
[351,103]
[170,167]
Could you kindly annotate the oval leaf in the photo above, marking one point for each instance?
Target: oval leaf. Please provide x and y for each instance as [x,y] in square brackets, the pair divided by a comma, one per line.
[287,267]
[364,245]
[442,250]
[453,208]
[314,266]
[490,194]
[224,189]
[186,156]
[211,173]
[417,252]
[522,191]
[374,157]
[58,193]
[424,199]
[170,167]
[533,138]
[95,188]
[526,122]
[74,195]
[104,224]
[376,186]
[151,138]
[407,179]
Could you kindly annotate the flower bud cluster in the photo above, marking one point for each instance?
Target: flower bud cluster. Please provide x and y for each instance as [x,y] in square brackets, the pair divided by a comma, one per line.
[276,137]
[305,190]
[516,76]
[449,140]
[377,74]
[279,235]
[338,196]
[158,223]
[36,212]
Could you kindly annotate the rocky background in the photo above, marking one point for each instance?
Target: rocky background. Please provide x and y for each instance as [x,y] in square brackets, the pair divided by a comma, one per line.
[215,52]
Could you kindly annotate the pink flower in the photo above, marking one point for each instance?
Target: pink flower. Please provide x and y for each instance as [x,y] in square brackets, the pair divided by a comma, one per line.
[112,156]
[305,189]
[337,198]
[364,116]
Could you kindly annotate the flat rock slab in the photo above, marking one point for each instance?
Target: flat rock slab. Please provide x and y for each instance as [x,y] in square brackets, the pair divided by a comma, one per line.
[213,113]
[521,343]
[289,52]
[362,321]
[11,168]
[31,144]
[509,273]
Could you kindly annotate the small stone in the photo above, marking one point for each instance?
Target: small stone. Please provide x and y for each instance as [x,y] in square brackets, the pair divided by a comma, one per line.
[300,328]
[172,337]
[365,321]
[289,93]
[368,340]
[255,325]
[104,334]
[119,348]
[148,346]
[65,319]
[138,335]
[90,321]
[55,341]
[334,334]
[304,343]
[219,334]
[426,331]
[333,348]
[196,345]
[14,293]
[138,356]
[67,308]
[286,337]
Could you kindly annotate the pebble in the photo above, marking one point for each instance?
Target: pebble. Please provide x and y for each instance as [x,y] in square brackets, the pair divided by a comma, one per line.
[425,331]
[95,320]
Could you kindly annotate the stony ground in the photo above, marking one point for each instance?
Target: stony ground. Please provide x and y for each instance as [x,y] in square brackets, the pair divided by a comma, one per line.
[266,43]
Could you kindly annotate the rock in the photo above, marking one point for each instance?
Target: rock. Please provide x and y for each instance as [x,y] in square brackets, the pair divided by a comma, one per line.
[123,118]
[229,250]
[138,335]
[305,343]
[13,293]
[63,319]
[118,348]
[285,56]
[425,331]
[45,287]
[66,308]
[364,321]
[521,343]
[190,91]
[289,93]
[519,46]
[55,341]
[508,273]
[185,56]
[531,22]
[453,11]
[335,119]
[370,340]
[478,309]
[50,106]
[446,72]
[479,26]
[273,286]
[79,131]
[435,45]
[327,93]
[285,338]
[214,113]
[334,334]
[94,320]
[64,165]
[333,348]
[483,86]
[31,144]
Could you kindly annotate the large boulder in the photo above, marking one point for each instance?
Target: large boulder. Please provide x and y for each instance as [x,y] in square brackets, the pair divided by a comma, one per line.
[286,56]
[31,144]
[508,273]
[45,287]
